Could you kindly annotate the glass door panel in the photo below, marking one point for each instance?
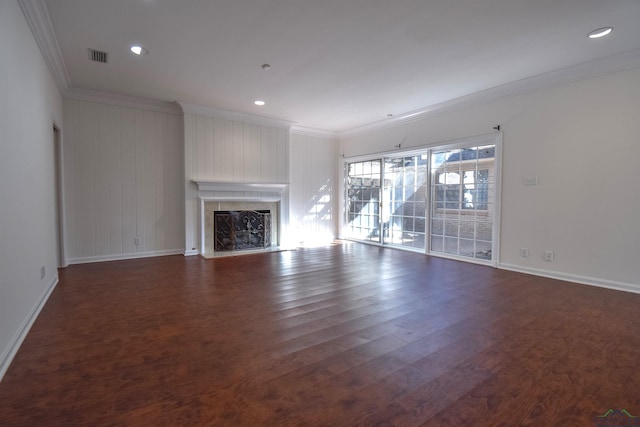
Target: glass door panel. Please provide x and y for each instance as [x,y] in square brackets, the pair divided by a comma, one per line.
[363,200]
[404,201]
[462,201]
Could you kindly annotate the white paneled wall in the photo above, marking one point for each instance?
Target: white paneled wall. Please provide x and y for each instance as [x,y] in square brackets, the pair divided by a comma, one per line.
[219,149]
[224,150]
[314,189]
[123,180]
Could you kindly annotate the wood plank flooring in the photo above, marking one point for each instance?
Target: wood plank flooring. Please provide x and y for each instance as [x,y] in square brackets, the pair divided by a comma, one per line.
[347,335]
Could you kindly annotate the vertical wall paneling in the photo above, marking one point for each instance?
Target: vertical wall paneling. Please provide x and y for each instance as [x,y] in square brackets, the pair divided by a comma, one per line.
[201,148]
[238,152]
[190,193]
[150,191]
[171,178]
[128,182]
[110,143]
[124,166]
[84,133]
[252,154]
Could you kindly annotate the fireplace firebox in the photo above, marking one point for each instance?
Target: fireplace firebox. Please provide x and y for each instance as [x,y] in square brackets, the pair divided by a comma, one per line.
[242,230]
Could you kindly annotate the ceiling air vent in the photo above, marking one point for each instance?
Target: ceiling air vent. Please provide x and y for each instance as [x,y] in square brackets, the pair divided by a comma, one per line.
[98,56]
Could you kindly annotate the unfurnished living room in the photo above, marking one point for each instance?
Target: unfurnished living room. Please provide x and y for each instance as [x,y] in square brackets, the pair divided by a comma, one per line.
[319,213]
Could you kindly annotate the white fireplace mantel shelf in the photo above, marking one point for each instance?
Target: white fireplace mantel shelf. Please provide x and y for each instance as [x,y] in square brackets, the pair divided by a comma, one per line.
[240,186]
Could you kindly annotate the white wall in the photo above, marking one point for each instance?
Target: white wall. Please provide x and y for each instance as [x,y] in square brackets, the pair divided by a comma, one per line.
[583,142]
[219,149]
[314,189]
[123,179]
[30,104]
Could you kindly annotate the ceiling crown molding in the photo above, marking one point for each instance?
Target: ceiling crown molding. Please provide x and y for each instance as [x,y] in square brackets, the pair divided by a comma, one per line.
[235,116]
[37,16]
[586,70]
[123,101]
[316,133]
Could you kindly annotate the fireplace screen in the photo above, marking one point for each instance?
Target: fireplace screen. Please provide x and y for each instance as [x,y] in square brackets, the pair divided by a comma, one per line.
[241,230]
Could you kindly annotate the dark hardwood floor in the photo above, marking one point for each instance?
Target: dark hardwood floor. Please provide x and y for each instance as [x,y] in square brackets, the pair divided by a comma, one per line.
[348,335]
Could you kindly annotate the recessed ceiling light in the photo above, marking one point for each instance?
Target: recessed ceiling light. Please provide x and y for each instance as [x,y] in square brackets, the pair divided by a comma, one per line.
[259,102]
[139,50]
[266,67]
[600,32]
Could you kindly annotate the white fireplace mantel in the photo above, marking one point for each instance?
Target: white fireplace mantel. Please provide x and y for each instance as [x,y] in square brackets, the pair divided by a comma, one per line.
[226,191]
[240,186]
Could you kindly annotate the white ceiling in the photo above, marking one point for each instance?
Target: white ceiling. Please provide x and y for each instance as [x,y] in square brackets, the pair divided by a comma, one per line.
[335,64]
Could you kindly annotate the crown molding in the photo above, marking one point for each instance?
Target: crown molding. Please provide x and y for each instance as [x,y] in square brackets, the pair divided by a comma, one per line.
[201,110]
[123,101]
[586,70]
[37,16]
[316,133]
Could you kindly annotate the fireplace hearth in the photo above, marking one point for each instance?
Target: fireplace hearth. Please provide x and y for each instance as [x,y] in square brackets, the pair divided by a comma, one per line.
[242,230]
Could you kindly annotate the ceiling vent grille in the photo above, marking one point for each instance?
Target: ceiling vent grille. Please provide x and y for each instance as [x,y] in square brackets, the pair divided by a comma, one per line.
[98,56]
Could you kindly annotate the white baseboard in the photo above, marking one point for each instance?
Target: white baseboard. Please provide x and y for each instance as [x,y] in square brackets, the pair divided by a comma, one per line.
[119,257]
[583,280]
[10,352]
[191,252]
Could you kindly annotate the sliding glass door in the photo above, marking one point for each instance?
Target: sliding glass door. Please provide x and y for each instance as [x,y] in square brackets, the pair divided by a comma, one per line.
[437,200]
[388,204]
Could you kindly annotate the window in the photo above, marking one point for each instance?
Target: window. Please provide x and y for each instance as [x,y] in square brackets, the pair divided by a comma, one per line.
[466,190]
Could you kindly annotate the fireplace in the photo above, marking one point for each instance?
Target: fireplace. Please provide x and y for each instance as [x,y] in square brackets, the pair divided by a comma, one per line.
[241,230]
[215,196]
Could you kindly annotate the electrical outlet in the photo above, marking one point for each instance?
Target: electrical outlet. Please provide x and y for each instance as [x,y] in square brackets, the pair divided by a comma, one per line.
[136,240]
[529,180]
[42,272]
[524,252]
[548,256]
